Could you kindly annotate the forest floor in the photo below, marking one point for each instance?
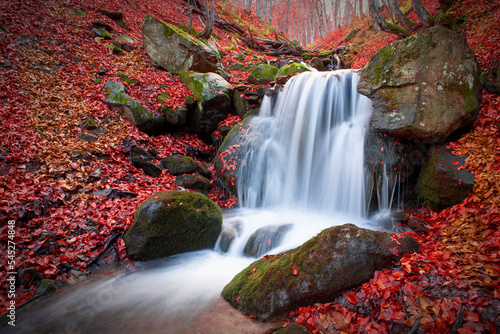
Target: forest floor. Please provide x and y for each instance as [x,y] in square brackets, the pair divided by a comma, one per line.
[49,87]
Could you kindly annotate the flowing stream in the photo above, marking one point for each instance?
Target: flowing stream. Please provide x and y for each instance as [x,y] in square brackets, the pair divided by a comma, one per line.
[304,173]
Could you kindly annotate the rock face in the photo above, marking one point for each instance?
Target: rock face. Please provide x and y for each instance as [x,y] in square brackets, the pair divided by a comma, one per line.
[175,50]
[213,101]
[337,259]
[117,100]
[173,222]
[424,87]
[441,183]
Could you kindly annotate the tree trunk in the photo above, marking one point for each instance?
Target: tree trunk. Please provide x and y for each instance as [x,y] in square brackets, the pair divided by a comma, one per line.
[385,25]
[400,16]
[270,16]
[209,25]
[286,17]
[422,14]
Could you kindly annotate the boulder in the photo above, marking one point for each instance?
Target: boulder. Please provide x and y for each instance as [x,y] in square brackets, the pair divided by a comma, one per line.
[424,87]
[117,100]
[142,159]
[264,239]
[213,101]
[173,222]
[262,74]
[442,183]
[194,182]
[291,70]
[180,164]
[337,259]
[175,50]
[174,117]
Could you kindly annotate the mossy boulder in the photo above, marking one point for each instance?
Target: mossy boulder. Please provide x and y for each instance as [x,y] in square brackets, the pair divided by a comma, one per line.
[213,101]
[424,87]
[175,50]
[337,259]
[118,100]
[173,222]
[441,184]
[262,74]
[180,164]
[174,117]
[291,69]
[142,159]
[194,182]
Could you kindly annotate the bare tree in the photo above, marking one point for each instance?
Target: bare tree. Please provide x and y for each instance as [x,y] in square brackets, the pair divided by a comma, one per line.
[384,24]
[400,16]
[209,21]
[422,13]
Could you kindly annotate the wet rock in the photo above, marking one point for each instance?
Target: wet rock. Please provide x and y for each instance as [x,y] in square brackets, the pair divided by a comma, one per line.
[194,182]
[423,87]
[264,239]
[173,222]
[337,259]
[180,164]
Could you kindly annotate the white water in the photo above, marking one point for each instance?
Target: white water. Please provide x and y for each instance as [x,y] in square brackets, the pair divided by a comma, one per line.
[307,172]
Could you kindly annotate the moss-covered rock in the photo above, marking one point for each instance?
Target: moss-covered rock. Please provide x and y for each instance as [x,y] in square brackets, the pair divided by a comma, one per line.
[179,164]
[337,259]
[264,239]
[262,74]
[441,184]
[175,50]
[101,32]
[194,182]
[130,109]
[213,101]
[174,117]
[423,87]
[290,70]
[173,222]
[141,158]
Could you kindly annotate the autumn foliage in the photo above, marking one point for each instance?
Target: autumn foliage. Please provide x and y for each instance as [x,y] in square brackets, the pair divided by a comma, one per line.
[51,84]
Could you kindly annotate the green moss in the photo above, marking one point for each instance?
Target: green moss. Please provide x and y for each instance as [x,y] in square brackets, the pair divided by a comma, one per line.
[163,97]
[395,27]
[80,12]
[262,74]
[351,35]
[127,79]
[291,69]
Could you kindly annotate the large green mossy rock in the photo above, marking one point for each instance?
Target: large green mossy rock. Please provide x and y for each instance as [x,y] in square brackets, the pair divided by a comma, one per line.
[175,50]
[118,100]
[291,70]
[424,87]
[213,101]
[262,74]
[337,259]
[173,222]
[441,184]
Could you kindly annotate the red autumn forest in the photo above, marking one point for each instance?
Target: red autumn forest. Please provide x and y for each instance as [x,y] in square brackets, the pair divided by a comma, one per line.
[50,62]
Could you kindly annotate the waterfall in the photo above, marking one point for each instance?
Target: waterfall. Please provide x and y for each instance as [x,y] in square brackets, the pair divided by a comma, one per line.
[309,155]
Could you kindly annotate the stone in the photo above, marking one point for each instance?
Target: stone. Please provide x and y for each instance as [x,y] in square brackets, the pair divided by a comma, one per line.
[194,182]
[173,222]
[174,117]
[213,101]
[424,87]
[179,164]
[264,239]
[337,259]
[142,159]
[262,74]
[117,100]
[290,70]
[175,50]
[441,184]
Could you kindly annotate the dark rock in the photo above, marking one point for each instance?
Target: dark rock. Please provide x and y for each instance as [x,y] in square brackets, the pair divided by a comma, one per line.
[194,182]
[45,288]
[229,234]
[264,239]
[88,137]
[114,15]
[175,50]
[337,259]
[98,24]
[441,183]
[173,222]
[178,165]
[142,159]
[101,32]
[293,329]
[424,87]
[213,101]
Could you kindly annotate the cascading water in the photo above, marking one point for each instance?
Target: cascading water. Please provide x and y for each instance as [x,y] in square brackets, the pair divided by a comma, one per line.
[313,156]
[305,173]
